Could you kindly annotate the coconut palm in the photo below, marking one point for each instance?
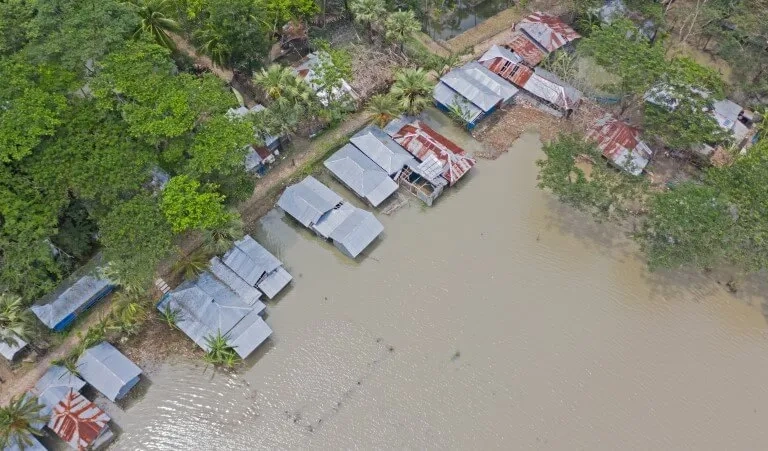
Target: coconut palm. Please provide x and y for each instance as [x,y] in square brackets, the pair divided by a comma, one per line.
[214,46]
[368,12]
[155,21]
[383,107]
[15,320]
[220,352]
[17,421]
[412,88]
[191,265]
[221,238]
[275,80]
[400,26]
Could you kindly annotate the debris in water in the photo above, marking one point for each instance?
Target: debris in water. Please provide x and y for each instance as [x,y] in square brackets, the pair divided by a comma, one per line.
[456,355]
[390,348]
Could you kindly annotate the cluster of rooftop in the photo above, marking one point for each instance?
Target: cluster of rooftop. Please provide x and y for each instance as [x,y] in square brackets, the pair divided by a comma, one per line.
[225,299]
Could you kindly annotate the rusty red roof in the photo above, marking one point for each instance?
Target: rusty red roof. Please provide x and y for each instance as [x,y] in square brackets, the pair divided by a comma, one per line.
[548,31]
[528,51]
[422,142]
[620,143]
[514,72]
[78,421]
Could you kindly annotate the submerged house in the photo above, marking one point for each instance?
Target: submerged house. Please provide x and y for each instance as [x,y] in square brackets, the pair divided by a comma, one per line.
[207,307]
[542,85]
[80,422]
[548,32]
[59,309]
[361,174]
[447,160]
[472,91]
[420,178]
[318,208]
[254,265]
[258,157]
[620,143]
[107,370]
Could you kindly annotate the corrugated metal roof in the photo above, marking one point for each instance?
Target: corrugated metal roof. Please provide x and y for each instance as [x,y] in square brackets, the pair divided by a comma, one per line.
[249,294]
[358,172]
[444,95]
[379,147]
[308,200]
[620,143]
[274,282]
[249,334]
[548,31]
[499,52]
[8,351]
[55,383]
[107,370]
[482,75]
[422,141]
[78,421]
[516,73]
[252,264]
[526,49]
[356,232]
[208,307]
[333,219]
[71,300]
[468,87]
[726,113]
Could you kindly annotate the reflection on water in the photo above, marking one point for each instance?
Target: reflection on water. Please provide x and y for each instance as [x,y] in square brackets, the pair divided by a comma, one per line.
[450,18]
[496,318]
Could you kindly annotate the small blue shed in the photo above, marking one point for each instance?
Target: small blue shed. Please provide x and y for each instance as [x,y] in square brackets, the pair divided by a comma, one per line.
[61,309]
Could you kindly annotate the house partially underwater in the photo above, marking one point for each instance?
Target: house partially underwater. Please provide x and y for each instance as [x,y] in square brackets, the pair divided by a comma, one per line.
[207,307]
[321,210]
[250,263]
[472,92]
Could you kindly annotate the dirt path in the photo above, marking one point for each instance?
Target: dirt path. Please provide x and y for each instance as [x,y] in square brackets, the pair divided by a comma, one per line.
[18,383]
[184,46]
[302,156]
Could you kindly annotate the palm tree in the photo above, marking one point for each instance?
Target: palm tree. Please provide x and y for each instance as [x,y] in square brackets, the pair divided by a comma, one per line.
[275,80]
[15,320]
[18,420]
[383,107]
[368,12]
[219,239]
[400,26]
[214,46]
[220,352]
[191,265]
[155,22]
[412,88]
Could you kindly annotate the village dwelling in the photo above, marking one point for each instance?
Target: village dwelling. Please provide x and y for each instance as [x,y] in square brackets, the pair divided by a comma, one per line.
[361,175]
[254,265]
[525,50]
[207,307]
[321,210]
[472,91]
[305,69]
[9,352]
[258,157]
[80,422]
[548,32]
[450,161]
[620,144]
[107,370]
[541,85]
[59,309]
[72,417]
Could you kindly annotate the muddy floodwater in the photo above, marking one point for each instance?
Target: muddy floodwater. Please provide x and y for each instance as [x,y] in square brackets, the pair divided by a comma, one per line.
[496,319]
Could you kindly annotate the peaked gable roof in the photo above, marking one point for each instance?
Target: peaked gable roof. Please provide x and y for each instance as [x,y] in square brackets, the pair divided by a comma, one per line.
[107,369]
[379,147]
[547,31]
[366,178]
[308,200]
[620,143]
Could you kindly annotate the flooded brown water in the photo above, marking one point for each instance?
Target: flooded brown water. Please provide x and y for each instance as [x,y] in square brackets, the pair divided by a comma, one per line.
[496,319]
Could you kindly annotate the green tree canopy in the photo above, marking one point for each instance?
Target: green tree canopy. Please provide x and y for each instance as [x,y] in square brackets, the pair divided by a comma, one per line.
[19,422]
[220,146]
[413,88]
[188,205]
[400,26]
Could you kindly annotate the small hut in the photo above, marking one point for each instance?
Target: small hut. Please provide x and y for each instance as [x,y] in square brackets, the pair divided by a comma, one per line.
[107,370]
[60,309]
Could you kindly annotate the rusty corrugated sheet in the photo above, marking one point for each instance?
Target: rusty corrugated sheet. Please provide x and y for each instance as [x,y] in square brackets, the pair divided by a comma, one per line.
[620,143]
[422,142]
[78,421]
[548,31]
[517,74]
[527,50]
